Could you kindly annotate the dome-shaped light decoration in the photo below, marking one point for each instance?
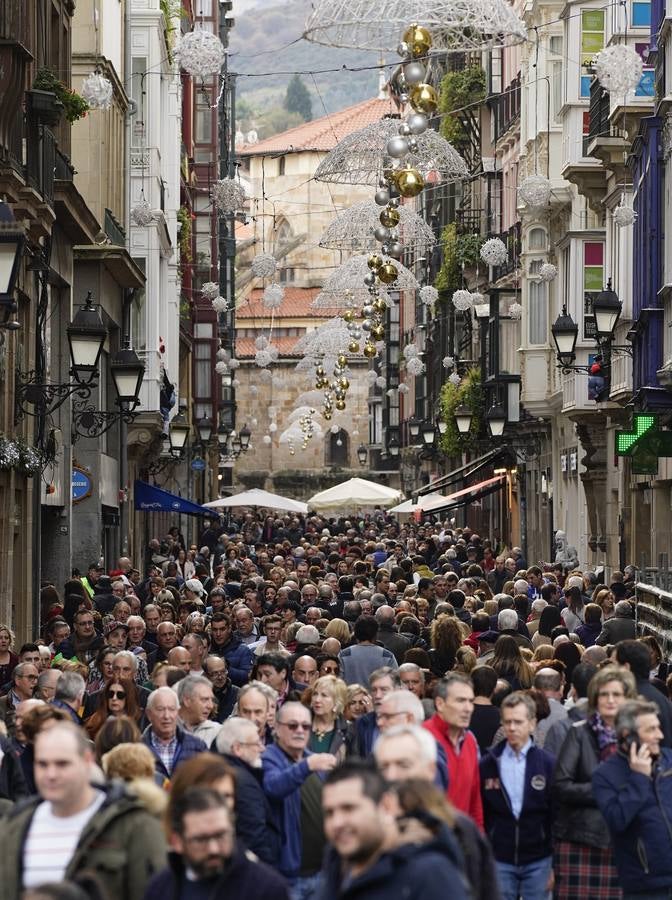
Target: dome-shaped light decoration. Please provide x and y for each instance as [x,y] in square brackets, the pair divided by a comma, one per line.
[535,191]
[221,368]
[515,311]
[361,158]
[234,363]
[411,351]
[403,388]
[272,427]
[349,277]
[264,265]
[273,296]
[228,195]
[142,213]
[494,252]
[223,355]
[267,439]
[448,362]
[462,300]
[618,69]
[220,304]
[381,382]
[445,25]
[201,53]
[97,90]
[428,295]
[548,272]
[210,290]
[454,378]
[415,366]
[624,216]
[353,229]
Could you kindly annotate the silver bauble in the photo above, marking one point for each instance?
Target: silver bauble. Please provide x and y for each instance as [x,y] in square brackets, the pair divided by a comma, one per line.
[412,145]
[417,123]
[367,310]
[356,333]
[367,325]
[397,147]
[401,84]
[382,197]
[394,191]
[370,278]
[394,234]
[414,72]
[404,130]
[382,183]
[395,250]
[381,233]
[394,202]
[403,98]
[386,249]
[403,49]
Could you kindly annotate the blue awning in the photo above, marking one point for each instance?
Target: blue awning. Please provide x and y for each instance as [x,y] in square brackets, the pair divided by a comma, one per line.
[150,498]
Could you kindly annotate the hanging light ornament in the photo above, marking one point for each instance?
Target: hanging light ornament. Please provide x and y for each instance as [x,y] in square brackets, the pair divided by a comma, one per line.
[220,304]
[221,368]
[428,295]
[210,290]
[624,216]
[142,213]
[273,296]
[403,388]
[515,311]
[201,53]
[264,265]
[535,191]
[97,90]
[358,229]
[415,366]
[618,69]
[228,195]
[455,379]
[266,439]
[448,362]
[494,252]
[463,300]
[548,272]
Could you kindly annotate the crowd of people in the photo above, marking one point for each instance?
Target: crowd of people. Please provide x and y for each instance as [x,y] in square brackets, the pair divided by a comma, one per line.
[330,708]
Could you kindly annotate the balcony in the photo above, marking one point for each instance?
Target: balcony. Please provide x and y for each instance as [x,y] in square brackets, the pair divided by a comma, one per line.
[604,141]
[505,108]
[513,244]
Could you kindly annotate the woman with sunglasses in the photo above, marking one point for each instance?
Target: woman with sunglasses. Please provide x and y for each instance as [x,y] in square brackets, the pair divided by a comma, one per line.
[114,701]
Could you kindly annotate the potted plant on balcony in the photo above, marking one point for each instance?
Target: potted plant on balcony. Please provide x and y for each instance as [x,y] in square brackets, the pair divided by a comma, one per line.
[49,98]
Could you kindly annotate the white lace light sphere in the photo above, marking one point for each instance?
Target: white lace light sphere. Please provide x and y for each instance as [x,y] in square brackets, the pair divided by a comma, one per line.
[142,213]
[264,265]
[548,272]
[371,376]
[515,311]
[97,90]
[381,382]
[454,378]
[201,53]
[403,388]
[228,195]
[624,216]
[618,69]
[462,300]
[411,351]
[221,368]
[415,366]
[210,290]
[220,304]
[535,191]
[448,362]
[428,295]
[266,375]
[273,296]
[494,252]
[234,363]
[261,343]
[266,439]
[273,427]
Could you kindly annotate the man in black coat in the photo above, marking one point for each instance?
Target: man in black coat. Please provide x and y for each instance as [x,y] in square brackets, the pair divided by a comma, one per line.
[239,743]
[206,860]
[636,656]
[388,636]
[226,693]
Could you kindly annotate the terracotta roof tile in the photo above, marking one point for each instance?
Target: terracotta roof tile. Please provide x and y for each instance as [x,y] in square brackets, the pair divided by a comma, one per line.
[245,348]
[323,133]
[296,305]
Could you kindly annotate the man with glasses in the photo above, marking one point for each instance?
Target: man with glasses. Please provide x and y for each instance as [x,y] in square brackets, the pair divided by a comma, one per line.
[206,861]
[225,693]
[295,796]
[24,682]
[84,643]
[270,643]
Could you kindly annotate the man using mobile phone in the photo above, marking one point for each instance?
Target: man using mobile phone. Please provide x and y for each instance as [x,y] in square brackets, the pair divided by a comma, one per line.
[633,790]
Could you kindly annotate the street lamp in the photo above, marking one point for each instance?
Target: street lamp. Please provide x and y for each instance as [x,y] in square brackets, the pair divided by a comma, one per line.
[428,434]
[442,426]
[565,331]
[496,419]
[12,239]
[236,444]
[244,435]
[204,428]
[227,379]
[362,454]
[86,336]
[222,436]
[393,446]
[606,309]
[127,372]
[414,427]
[178,434]
[463,417]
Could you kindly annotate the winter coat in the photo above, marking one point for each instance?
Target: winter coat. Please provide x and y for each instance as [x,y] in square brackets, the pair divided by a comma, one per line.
[239,659]
[255,825]
[396,643]
[620,628]
[188,746]
[638,811]
[122,844]
[282,781]
[528,838]
[650,692]
[577,817]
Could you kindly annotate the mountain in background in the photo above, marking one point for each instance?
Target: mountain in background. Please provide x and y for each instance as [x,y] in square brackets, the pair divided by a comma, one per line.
[266,39]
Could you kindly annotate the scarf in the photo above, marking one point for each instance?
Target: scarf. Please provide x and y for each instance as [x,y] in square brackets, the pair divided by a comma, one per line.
[606,736]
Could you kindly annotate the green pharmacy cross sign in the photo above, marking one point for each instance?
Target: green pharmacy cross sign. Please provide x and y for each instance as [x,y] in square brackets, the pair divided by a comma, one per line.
[645,443]
[642,424]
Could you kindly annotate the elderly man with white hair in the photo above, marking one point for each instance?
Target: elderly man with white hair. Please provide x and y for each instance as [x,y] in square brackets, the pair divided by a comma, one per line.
[538,606]
[239,743]
[507,623]
[197,702]
[170,744]
[401,707]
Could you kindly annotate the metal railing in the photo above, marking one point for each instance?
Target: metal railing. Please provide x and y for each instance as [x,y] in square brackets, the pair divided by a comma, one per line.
[41,162]
[506,107]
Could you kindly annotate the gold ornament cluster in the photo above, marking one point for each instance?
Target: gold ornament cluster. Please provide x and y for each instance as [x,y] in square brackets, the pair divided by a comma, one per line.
[335,385]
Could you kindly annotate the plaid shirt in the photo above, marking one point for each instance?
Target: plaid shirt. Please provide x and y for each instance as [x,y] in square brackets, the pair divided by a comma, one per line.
[166,752]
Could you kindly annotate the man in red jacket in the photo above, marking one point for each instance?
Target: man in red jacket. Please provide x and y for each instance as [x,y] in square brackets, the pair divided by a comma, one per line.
[454,702]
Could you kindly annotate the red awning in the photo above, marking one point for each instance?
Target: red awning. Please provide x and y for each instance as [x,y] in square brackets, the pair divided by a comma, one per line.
[466,495]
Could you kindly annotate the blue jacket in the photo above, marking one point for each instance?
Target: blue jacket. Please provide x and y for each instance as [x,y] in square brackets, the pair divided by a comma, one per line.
[528,838]
[255,826]
[239,659]
[282,781]
[638,813]
[188,745]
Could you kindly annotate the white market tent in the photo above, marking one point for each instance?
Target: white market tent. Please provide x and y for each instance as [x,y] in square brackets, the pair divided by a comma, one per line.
[258,498]
[410,506]
[354,494]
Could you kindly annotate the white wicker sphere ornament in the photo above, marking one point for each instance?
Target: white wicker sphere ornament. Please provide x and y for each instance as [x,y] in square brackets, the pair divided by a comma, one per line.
[234,363]
[142,213]
[264,265]
[411,351]
[462,300]
[273,427]
[535,191]
[228,195]
[515,311]
[254,423]
[494,252]
[201,53]
[221,368]
[273,296]
[97,90]
[448,362]
[618,69]
[454,378]
[220,304]
[358,229]
[371,376]
[624,216]
[381,382]
[210,290]
[266,439]
[428,295]
[235,383]
[415,366]
[266,375]
[262,342]
[403,388]
[222,355]
[548,272]
[334,429]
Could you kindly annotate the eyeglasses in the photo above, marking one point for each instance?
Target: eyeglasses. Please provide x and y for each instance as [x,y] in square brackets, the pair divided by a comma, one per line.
[29,677]
[117,695]
[202,840]
[295,726]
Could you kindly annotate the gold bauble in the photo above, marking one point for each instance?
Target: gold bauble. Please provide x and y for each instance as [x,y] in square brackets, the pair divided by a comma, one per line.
[390,217]
[320,371]
[374,262]
[353,347]
[378,332]
[348,316]
[424,99]
[409,182]
[388,273]
[342,360]
[379,305]
[340,405]
[369,350]
[419,40]
[343,383]
[326,415]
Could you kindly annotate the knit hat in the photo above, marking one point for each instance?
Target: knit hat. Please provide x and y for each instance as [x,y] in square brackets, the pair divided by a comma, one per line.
[193,584]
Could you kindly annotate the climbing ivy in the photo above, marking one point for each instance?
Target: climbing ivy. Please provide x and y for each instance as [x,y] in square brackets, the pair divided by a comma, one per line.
[470,393]
[459,89]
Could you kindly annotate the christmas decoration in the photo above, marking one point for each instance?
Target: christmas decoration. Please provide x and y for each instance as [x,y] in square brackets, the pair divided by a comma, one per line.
[618,69]
[97,90]
[201,53]
[264,265]
[494,252]
[535,191]
[228,195]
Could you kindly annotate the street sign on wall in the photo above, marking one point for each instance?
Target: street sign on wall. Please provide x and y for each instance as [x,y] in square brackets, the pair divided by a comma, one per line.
[82,484]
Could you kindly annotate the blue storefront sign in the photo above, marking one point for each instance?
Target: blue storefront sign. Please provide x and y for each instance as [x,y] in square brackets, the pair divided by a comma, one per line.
[82,484]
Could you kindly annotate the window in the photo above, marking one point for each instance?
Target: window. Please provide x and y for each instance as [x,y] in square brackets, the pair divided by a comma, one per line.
[139,96]
[538,312]
[203,130]
[593,282]
[537,239]
[641,14]
[138,323]
[592,41]
[281,166]
[283,234]
[646,86]
[337,448]
[495,72]
[556,66]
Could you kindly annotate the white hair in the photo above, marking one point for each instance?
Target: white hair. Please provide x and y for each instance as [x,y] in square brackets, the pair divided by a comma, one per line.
[425,741]
[126,654]
[507,620]
[405,701]
[160,693]
[233,732]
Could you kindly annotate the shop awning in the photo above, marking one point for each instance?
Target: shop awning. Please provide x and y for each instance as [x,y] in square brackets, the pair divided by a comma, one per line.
[149,498]
[464,471]
[466,495]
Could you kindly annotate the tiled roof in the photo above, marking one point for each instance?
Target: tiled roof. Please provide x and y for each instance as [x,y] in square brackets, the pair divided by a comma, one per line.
[296,305]
[245,348]
[323,133]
